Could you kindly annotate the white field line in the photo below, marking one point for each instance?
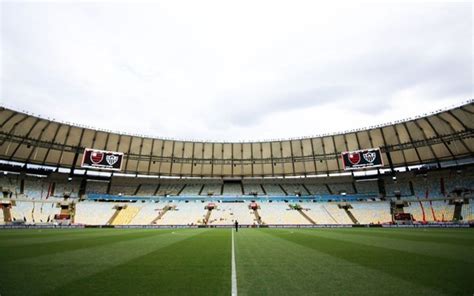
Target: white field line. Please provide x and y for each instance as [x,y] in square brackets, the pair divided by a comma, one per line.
[234,272]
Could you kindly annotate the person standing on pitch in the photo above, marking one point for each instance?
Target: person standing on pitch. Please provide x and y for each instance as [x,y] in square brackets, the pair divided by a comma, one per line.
[236,226]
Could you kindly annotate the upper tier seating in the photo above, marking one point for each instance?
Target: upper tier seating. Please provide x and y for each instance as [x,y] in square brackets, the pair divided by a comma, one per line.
[253,188]
[147,189]
[169,189]
[273,189]
[10,182]
[338,188]
[232,189]
[36,189]
[453,181]
[292,189]
[71,187]
[123,189]
[423,185]
[317,189]
[97,187]
[212,189]
[403,187]
[191,190]
[367,187]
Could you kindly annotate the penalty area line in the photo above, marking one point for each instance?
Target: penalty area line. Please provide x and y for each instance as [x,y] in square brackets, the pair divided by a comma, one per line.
[234,272]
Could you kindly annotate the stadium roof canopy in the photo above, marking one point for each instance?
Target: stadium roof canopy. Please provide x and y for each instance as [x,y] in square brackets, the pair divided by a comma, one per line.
[446,135]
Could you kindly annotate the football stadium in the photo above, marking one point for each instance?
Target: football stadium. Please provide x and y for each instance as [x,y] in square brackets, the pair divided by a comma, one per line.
[385,209]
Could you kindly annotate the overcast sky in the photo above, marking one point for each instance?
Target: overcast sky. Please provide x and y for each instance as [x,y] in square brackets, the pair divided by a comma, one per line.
[234,71]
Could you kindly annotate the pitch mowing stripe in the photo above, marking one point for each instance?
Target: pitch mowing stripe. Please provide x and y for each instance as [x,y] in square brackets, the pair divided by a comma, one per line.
[269,265]
[67,236]
[234,272]
[417,234]
[439,248]
[72,266]
[198,265]
[424,270]
[27,251]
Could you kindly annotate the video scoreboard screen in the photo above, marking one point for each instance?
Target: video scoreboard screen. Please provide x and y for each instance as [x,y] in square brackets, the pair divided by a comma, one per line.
[361,159]
[100,159]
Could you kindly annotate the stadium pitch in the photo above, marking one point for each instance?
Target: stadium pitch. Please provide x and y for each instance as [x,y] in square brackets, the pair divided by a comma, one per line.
[350,261]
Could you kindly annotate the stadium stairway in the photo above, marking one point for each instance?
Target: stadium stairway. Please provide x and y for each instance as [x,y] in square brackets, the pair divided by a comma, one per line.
[123,215]
[351,216]
[162,213]
[257,217]
[457,212]
[208,216]
[330,215]
[423,212]
[7,215]
[306,216]
[114,216]
[433,212]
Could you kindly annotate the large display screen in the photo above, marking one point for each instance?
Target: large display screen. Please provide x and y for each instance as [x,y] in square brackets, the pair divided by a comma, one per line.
[100,159]
[360,159]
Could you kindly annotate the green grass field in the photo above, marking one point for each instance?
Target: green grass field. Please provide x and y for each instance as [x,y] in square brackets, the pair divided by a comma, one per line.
[351,261]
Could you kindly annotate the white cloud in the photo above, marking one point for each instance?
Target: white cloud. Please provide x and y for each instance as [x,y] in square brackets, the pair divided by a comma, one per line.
[209,70]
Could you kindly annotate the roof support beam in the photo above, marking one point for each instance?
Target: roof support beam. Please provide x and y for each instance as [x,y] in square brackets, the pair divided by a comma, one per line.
[141,150]
[453,130]
[51,144]
[426,139]
[128,153]
[151,155]
[8,118]
[463,108]
[324,153]
[389,156]
[192,160]
[27,135]
[76,155]
[302,154]
[438,136]
[337,153]
[399,141]
[64,144]
[312,154]
[12,130]
[292,157]
[40,137]
[271,157]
